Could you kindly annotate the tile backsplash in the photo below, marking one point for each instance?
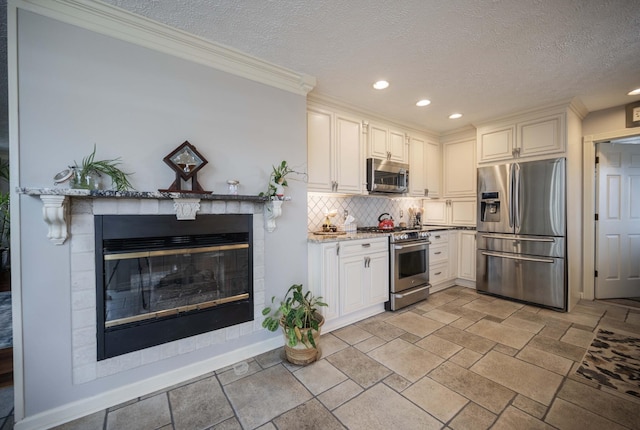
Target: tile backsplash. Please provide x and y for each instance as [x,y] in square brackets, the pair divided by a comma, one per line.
[365,209]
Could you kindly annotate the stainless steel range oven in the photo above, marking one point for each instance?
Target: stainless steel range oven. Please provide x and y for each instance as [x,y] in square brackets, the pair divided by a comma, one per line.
[409,268]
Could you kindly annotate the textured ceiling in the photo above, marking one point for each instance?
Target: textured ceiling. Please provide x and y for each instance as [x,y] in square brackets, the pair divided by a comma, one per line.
[481,58]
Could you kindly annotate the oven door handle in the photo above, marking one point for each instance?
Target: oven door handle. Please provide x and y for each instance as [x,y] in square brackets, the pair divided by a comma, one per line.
[400,296]
[411,245]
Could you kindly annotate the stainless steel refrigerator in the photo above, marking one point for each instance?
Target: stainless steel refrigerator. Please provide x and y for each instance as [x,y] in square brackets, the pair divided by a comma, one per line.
[521,232]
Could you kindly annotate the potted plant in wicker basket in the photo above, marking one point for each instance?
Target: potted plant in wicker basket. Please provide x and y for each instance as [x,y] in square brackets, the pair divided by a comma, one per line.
[301,322]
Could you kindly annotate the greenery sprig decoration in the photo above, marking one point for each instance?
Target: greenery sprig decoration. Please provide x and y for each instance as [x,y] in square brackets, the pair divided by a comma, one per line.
[108,167]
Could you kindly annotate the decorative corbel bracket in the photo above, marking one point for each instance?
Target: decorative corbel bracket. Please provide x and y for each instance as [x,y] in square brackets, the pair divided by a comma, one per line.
[272,210]
[186,209]
[55,211]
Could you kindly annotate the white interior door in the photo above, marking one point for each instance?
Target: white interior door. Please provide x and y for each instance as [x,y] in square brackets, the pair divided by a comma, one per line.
[618,227]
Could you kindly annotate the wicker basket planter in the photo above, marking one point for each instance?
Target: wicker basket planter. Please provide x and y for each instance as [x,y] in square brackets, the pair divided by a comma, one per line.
[302,354]
[300,322]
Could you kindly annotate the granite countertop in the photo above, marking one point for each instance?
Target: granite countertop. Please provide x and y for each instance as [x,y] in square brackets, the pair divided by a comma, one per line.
[315,238]
[135,194]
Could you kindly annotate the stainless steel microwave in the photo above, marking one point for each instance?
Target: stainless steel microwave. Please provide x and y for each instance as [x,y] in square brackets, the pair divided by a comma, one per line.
[384,176]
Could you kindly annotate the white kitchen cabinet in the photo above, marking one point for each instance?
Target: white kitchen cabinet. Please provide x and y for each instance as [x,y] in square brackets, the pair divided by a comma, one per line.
[323,277]
[424,167]
[364,274]
[433,167]
[417,170]
[467,255]
[352,276]
[459,164]
[334,152]
[440,273]
[387,143]
[452,259]
[460,212]
[319,155]
[436,212]
[536,135]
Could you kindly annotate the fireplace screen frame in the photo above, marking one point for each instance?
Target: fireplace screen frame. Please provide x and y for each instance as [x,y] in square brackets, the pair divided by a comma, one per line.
[167,233]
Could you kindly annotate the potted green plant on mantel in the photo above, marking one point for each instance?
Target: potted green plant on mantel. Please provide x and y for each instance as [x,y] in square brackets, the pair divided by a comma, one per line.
[86,175]
[277,181]
[301,322]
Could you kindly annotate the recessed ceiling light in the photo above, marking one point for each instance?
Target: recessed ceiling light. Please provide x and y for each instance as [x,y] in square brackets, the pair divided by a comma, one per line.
[455,116]
[381,85]
[634,92]
[423,102]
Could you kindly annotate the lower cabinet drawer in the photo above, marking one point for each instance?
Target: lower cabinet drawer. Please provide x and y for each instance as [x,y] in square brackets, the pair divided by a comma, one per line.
[363,246]
[438,273]
[438,253]
[438,237]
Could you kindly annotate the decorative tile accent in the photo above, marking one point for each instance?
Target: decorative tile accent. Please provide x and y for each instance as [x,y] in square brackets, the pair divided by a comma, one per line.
[365,209]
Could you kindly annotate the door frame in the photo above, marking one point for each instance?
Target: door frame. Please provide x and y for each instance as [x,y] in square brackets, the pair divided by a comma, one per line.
[589,184]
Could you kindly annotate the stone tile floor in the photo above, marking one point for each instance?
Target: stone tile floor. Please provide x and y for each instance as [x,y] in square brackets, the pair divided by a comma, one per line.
[459,360]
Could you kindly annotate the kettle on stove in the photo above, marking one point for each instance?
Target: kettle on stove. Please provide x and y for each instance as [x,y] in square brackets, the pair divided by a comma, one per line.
[385,222]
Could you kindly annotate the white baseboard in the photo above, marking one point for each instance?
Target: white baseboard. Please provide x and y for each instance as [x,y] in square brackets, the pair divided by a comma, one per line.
[351,318]
[81,408]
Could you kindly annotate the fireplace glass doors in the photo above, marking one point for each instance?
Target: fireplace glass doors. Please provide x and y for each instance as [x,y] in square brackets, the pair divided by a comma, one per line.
[151,284]
[161,279]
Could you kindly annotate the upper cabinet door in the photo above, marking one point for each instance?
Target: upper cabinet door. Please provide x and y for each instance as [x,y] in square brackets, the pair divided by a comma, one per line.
[417,167]
[398,148]
[320,150]
[496,143]
[349,171]
[542,136]
[378,136]
[459,168]
[433,169]
[387,143]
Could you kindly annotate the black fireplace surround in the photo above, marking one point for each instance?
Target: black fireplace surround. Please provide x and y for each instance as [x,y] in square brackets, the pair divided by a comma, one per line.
[159,279]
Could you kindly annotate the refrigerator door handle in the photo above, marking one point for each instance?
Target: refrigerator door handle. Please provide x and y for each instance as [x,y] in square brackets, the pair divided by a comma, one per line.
[516,196]
[510,194]
[513,257]
[530,239]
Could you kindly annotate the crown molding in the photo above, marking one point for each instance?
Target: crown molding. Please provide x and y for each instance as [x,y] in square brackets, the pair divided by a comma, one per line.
[331,102]
[112,21]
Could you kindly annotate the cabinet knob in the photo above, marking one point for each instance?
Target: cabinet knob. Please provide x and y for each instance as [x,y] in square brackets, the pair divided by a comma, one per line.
[426,192]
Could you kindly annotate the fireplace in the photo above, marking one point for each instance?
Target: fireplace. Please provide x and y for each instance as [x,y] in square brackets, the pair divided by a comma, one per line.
[159,279]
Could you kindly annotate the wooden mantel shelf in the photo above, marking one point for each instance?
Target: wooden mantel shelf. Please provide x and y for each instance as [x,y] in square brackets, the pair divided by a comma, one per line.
[56,211]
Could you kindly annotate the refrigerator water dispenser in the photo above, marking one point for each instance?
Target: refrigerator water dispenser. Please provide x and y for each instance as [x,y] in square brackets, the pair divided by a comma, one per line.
[490,207]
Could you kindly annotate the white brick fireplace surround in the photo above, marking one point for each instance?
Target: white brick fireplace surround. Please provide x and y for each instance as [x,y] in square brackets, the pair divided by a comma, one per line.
[85,365]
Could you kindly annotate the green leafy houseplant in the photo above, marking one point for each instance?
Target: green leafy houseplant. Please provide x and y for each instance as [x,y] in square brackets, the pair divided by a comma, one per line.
[298,311]
[277,180]
[90,166]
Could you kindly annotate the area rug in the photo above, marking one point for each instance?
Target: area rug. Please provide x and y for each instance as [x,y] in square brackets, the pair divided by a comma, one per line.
[613,360]
[6,333]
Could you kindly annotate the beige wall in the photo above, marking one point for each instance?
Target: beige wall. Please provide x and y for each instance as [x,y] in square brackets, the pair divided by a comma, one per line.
[605,120]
